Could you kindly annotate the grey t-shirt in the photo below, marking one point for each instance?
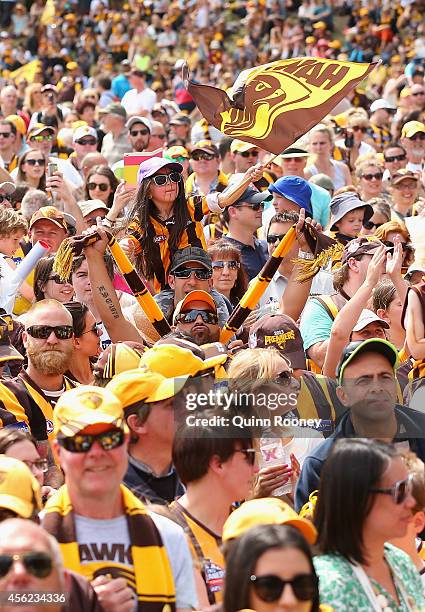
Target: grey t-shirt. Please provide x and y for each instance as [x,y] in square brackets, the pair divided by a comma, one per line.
[109,540]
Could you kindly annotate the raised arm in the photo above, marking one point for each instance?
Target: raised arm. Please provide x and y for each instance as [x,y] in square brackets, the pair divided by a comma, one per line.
[415,326]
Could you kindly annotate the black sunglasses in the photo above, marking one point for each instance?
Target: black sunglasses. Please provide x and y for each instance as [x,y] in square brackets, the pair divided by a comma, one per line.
[256,207]
[57,279]
[284,378]
[89,141]
[37,564]
[273,238]
[3,198]
[398,492]
[163,179]
[358,128]
[35,162]
[6,134]
[82,443]
[371,225]
[368,177]
[142,132]
[394,158]
[200,155]
[249,154]
[101,186]
[270,588]
[200,273]
[418,136]
[190,316]
[404,245]
[42,332]
[249,454]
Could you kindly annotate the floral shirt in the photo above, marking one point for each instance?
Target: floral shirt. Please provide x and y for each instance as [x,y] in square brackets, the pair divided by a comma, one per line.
[340,588]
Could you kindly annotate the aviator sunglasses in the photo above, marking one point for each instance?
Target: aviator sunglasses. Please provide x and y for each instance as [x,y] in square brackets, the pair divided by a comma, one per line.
[190,316]
[37,564]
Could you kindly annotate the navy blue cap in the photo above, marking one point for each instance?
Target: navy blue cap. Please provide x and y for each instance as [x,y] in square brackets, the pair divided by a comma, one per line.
[252,196]
[296,189]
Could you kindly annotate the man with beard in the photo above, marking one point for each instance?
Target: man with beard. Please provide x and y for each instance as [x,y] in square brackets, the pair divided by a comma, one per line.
[139,131]
[27,401]
[196,315]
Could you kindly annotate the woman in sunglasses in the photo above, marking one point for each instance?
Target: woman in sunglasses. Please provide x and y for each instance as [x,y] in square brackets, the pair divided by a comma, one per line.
[369,173]
[86,344]
[365,499]
[270,568]
[32,169]
[101,184]
[229,277]
[356,141]
[48,285]
[381,215]
[394,232]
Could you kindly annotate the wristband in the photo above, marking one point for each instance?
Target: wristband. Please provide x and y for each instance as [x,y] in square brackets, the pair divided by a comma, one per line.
[305,255]
[107,222]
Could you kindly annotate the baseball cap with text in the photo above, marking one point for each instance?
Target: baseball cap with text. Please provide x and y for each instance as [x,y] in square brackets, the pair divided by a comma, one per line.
[280,331]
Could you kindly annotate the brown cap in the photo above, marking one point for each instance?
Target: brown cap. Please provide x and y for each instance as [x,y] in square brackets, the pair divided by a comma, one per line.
[280,331]
[360,246]
[402,175]
[7,351]
[51,214]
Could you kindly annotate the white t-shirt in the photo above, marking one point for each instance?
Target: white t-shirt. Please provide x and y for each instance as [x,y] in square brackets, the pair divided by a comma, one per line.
[136,101]
[6,274]
[100,540]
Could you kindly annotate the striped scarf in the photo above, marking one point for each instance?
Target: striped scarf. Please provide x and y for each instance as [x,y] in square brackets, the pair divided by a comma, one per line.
[153,576]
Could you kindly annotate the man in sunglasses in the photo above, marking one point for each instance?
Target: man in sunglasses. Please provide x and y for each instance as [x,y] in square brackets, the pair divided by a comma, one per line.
[8,145]
[244,218]
[139,132]
[28,400]
[206,177]
[84,140]
[191,269]
[395,159]
[105,533]
[367,388]
[196,315]
[413,140]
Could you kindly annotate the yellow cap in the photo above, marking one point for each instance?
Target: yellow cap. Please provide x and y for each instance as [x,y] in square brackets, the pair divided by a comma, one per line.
[177,358]
[406,91]
[71,66]
[19,489]
[335,44]
[143,385]
[177,151]
[86,405]
[310,40]
[363,12]
[19,123]
[266,511]
[411,128]
[238,146]
[319,25]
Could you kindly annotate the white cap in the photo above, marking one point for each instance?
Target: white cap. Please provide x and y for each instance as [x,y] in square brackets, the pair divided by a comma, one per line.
[143,120]
[366,317]
[88,206]
[7,187]
[414,267]
[84,130]
[381,103]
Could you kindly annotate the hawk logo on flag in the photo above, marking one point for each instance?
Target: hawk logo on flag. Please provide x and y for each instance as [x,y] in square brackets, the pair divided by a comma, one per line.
[274,104]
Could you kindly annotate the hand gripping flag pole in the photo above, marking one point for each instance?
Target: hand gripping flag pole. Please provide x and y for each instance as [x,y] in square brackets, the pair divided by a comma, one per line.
[74,246]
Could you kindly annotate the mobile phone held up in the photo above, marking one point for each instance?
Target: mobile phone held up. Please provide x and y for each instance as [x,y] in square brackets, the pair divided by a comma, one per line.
[51,169]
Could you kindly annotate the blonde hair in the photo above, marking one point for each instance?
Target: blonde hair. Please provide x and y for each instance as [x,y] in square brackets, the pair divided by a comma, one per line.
[325,129]
[370,159]
[251,367]
[11,221]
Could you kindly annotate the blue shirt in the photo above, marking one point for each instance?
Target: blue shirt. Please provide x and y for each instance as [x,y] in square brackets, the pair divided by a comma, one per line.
[253,258]
[120,86]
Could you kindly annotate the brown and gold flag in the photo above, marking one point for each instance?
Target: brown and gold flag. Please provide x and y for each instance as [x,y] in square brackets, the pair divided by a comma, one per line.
[274,104]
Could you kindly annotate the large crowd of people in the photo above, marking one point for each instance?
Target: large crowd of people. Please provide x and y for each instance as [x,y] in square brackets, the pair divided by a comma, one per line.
[154,456]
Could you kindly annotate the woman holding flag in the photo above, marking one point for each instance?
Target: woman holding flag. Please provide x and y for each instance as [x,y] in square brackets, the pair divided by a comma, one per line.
[164,220]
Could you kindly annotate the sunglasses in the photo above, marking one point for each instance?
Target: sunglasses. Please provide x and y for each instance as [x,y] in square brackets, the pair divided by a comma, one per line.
[4,198]
[371,225]
[418,136]
[101,186]
[404,245]
[398,492]
[256,207]
[190,316]
[231,265]
[418,93]
[199,155]
[249,154]
[200,273]
[42,138]
[88,141]
[358,128]
[162,179]
[42,332]
[41,465]
[37,564]
[284,378]
[270,588]
[160,136]
[57,279]
[273,238]
[394,158]
[142,132]
[180,158]
[95,330]
[6,134]
[369,177]
[249,454]
[82,443]
[35,162]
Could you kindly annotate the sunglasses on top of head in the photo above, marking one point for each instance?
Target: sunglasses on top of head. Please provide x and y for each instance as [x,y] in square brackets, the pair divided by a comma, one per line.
[269,588]
[82,443]
[162,179]
[190,316]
